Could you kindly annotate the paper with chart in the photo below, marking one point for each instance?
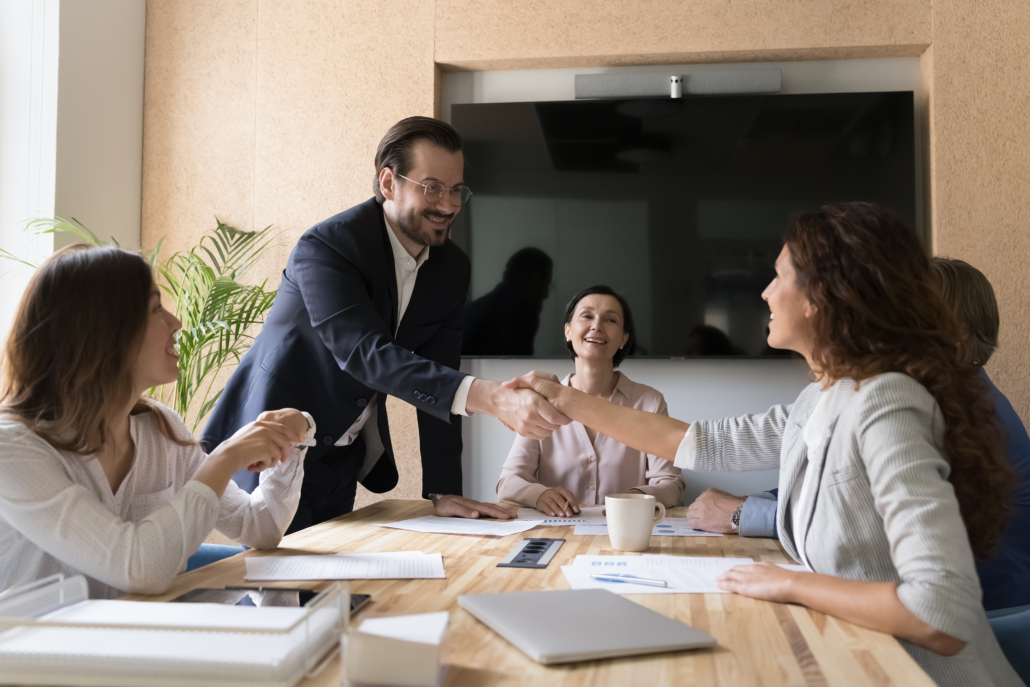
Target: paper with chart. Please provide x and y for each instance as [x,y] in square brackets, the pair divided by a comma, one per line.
[434,524]
[683,574]
[670,527]
[399,565]
[588,515]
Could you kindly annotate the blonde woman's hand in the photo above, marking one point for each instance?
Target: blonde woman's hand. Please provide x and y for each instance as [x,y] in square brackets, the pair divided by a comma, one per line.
[267,441]
[558,502]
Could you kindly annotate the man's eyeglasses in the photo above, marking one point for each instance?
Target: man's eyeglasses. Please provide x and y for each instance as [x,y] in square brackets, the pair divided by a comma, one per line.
[435,191]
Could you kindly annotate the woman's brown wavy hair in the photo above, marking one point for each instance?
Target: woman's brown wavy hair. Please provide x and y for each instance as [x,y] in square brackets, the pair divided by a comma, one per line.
[67,363]
[880,309]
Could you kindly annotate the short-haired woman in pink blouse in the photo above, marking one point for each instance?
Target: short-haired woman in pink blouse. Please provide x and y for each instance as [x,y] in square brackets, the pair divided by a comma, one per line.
[578,465]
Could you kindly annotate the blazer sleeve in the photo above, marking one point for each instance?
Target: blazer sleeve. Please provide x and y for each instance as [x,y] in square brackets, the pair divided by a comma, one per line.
[518,483]
[749,442]
[342,313]
[908,476]
[664,479]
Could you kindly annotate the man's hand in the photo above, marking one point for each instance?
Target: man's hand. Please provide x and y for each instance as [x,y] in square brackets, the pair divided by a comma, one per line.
[467,508]
[521,410]
[712,511]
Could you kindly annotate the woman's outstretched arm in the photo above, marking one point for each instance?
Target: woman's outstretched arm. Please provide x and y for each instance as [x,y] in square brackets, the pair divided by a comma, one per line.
[652,433]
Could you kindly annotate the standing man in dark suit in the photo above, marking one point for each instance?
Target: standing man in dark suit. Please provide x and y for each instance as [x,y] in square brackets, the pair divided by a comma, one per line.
[372,303]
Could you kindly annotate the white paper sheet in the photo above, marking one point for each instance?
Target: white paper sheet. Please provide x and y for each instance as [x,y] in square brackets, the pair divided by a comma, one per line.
[425,628]
[434,524]
[113,612]
[401,565]
[588,515]
[684,574]
[670,527]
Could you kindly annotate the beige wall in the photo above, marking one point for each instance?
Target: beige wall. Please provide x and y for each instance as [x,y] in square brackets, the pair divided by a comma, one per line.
[268,111]
[980,163]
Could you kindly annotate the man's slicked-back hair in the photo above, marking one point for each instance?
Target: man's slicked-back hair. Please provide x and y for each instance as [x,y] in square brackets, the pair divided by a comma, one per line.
[394,150]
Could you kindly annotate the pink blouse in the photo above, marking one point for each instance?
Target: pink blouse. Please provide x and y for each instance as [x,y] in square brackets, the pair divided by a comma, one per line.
[591,470]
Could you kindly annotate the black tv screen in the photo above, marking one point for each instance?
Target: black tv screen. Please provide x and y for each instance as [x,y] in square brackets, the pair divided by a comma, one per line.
[680,205]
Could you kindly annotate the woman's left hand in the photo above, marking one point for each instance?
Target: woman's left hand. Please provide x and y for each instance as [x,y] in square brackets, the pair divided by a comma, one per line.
[764,580]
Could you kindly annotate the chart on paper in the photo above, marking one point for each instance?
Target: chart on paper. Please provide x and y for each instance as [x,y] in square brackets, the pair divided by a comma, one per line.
[588,515]
[670,527]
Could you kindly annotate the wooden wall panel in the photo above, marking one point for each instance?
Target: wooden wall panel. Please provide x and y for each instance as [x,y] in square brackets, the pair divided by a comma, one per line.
[532,34]
[980,98]
[198,119]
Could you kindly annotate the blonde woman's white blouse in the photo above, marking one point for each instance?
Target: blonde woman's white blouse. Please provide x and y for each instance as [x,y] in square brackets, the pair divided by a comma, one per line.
[58,514]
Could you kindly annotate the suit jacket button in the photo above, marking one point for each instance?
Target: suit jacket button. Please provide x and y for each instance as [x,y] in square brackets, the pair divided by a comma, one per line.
[418,395]
[431,400]
[327,440]
[362,403]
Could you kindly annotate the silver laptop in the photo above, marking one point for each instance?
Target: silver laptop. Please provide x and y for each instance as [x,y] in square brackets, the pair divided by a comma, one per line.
[571,625]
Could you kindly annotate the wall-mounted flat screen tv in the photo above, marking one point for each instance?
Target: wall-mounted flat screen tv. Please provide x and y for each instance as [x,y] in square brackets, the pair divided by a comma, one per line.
[680,205]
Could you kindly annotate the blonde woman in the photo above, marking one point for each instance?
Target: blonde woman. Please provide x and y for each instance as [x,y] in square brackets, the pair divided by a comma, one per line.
[94,477]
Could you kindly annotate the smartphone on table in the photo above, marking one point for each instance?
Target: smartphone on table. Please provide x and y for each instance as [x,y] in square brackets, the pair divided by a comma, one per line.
[261,596]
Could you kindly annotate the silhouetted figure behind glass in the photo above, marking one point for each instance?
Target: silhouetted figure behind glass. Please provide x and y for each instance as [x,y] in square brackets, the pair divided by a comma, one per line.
[709,340]
[505,321]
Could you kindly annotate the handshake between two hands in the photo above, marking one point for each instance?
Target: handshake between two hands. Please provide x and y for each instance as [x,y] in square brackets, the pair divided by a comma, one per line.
[528,405]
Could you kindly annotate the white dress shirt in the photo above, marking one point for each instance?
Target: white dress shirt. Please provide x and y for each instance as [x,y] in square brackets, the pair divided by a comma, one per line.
[406,268]
[59,515]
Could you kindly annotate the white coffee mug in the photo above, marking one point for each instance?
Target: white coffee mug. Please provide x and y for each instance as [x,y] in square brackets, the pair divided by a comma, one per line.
[631,517]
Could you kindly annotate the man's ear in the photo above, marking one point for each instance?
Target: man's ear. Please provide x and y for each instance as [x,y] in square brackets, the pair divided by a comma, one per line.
[387,182]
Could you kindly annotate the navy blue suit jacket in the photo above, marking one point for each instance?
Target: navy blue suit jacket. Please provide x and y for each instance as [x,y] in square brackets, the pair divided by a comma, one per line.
[327,345]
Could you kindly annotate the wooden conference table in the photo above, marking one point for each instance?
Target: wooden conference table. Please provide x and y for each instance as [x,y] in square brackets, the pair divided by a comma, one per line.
[760,643]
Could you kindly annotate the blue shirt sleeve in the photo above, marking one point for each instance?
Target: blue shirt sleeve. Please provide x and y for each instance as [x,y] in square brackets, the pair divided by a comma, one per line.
[758,516]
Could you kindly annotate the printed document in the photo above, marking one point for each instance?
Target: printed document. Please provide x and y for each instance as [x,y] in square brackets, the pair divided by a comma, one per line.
[670,527]
[400,565]
[588,515]
[682,574]
[434,524]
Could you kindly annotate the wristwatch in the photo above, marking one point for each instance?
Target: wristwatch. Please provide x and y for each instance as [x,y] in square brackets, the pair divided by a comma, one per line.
[735,518]
[435,497]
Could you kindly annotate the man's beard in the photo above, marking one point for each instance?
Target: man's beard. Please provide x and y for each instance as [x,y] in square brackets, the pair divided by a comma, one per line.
[409,226]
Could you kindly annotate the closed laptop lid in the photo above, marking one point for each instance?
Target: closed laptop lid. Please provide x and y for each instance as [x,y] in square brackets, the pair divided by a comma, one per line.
[570,625]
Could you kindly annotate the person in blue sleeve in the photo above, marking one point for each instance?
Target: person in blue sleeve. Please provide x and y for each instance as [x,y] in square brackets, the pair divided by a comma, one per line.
[372,303]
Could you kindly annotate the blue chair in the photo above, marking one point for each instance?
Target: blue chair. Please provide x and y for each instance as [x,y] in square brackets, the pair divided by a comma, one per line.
[1012,628]
[211,553]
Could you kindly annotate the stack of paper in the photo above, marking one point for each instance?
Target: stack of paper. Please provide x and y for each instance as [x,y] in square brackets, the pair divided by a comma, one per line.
[682,574]
[437,525]
[670,527]
[399,650]
[195,616]
[400,565]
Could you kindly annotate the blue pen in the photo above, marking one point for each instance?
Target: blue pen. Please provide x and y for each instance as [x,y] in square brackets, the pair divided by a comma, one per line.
[631,579]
